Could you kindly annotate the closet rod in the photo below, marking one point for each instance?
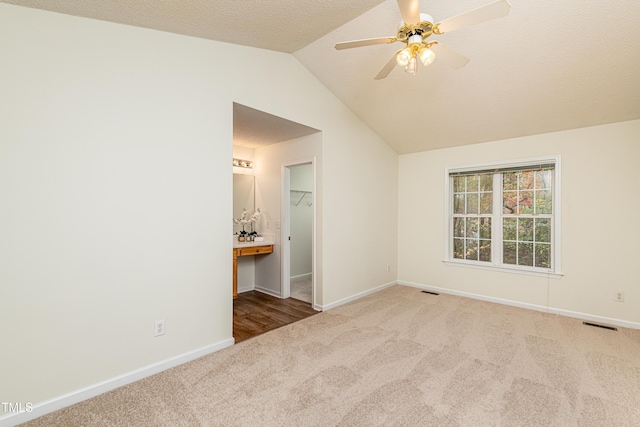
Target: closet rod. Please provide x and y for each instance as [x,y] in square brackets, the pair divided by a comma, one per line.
[304,193]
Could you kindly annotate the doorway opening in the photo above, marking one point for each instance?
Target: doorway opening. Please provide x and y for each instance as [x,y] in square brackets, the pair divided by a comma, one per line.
[263,299]
[298,231]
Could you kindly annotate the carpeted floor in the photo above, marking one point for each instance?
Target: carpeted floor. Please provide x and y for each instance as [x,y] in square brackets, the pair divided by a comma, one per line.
[399,357]
[301,289]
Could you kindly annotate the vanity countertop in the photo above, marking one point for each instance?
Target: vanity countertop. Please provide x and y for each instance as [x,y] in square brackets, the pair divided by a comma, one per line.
[268,240]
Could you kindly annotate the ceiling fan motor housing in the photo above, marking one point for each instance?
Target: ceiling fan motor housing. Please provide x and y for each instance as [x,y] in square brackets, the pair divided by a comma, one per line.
[423,28]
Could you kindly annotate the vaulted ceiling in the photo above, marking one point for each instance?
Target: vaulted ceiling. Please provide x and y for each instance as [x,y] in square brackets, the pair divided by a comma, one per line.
[548,66]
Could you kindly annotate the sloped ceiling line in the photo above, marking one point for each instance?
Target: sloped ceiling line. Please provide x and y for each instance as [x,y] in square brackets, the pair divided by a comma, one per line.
[545,67]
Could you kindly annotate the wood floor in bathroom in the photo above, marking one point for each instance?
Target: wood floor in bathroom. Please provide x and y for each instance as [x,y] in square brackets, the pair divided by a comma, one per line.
[255,313]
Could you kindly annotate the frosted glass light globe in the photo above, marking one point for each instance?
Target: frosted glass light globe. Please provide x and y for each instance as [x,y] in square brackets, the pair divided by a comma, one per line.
[412,66]
[426,55]
[404,56]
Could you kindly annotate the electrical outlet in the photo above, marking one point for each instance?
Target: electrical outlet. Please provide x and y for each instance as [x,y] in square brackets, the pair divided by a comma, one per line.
[268,224]
[388,267]
[159,328]
[618,296]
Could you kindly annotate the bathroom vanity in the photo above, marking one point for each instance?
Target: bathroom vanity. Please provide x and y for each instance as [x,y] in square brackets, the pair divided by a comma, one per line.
[248,249]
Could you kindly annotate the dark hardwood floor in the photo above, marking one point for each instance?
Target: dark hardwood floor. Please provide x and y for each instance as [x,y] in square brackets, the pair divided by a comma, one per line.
[255,313]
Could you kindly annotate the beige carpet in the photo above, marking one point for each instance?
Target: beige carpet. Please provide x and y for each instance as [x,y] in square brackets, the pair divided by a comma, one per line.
[301,289]
[399,357]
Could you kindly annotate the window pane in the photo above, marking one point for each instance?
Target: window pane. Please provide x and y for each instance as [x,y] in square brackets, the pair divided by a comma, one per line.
[458,204]
[472,249]
[543,230]
[472,228]
[509,230]
[543,202]
[486,203]
[526,216]
[458,184]
[510,181]
[458,227]
[485,250]
[509,253]
[526,180]
[525,204]
[486,182]
[472,203]
[543,255]
[509,201]
[458,248]
[543,179]
[485,228]
[472,183]
[525,229]
[525,254]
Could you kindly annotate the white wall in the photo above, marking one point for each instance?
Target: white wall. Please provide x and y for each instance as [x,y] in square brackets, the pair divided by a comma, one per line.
[111,176]
[270,161]
[600,222]
[360,191]
[301,221]
[115,181]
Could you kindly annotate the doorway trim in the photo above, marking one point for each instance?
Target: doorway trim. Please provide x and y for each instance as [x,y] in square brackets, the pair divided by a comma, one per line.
[285,230]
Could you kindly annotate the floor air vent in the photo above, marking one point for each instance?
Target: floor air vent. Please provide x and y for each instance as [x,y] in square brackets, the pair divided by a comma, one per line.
[430,293]
[611,328]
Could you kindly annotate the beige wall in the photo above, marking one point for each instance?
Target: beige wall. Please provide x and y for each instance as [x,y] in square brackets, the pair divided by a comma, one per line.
[600,223]
[116,189]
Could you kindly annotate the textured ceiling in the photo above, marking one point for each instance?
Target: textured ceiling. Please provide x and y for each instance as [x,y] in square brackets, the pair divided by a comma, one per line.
[281,25]
[254,128]
[548,66]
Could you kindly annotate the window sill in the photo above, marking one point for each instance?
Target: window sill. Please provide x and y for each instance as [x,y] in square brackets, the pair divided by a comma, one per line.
[490,267]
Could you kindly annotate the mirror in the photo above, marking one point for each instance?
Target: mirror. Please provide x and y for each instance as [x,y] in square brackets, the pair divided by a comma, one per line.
[243,197]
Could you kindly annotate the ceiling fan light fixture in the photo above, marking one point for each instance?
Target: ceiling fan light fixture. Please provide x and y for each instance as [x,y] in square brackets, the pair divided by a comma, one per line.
[404,56]
[426,55]
[414,30]
[412,66]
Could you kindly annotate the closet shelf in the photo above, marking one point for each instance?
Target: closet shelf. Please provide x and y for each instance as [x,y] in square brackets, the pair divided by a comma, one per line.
[299,194]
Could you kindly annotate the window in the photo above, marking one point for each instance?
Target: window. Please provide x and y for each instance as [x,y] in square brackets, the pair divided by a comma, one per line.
[505,216]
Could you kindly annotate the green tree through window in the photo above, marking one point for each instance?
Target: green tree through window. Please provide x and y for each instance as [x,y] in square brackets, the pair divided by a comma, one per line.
[503,216]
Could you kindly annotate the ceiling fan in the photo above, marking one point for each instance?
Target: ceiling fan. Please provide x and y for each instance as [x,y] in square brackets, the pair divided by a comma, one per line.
[416,29]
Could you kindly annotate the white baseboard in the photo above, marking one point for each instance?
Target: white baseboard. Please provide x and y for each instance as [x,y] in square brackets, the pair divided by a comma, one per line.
[246,288]
[552,310]
[43,408]
[268,291]
[353,297]
[300,277]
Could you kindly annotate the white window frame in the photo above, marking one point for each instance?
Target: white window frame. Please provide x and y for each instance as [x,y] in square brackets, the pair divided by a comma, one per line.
[496,229]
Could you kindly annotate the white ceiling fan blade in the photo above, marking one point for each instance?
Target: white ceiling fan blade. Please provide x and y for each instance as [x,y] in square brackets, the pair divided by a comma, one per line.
[365,42]
[410,11]
[387,68]
[484,13]
[449,56]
